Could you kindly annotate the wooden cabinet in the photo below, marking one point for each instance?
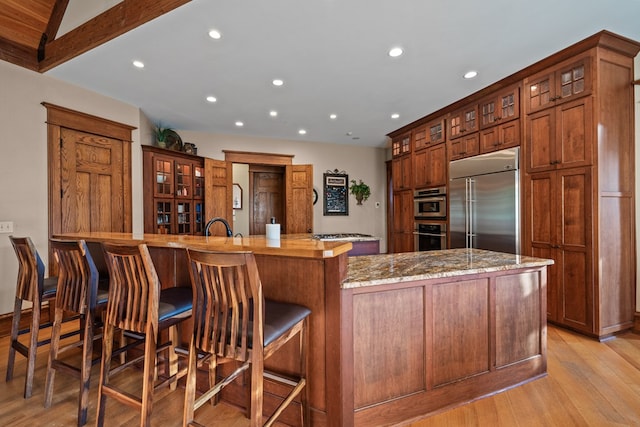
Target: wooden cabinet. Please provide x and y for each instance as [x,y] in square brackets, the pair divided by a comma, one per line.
[463,122]
[402,170]
[500,107]
[499,137]
[401,145]
[430,167]
[560,137]
[559,208]
[173,190]
[429,134]
[499,127]
[402,221]
[568,80]
[578,190]
[466,146]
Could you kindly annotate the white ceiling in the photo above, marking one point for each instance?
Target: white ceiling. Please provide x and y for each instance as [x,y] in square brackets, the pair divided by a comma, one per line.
[332,55]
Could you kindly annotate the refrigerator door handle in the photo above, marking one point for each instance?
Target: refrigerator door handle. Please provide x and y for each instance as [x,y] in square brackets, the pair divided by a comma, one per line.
[471,212]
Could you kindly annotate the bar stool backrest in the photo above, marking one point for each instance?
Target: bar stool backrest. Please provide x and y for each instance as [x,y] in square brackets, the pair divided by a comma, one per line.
[134,288]
[77,276]
[30,269]
[227,297]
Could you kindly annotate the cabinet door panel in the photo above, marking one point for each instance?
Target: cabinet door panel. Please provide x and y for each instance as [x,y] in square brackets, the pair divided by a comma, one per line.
[540,207]
[539,91]
[437,166]
[574,133]
[539,139]
[421,166]
[575,247]
[577,297]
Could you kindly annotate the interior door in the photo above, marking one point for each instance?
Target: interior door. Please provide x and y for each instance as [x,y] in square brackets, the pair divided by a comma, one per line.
[218,193]
[267,192]
[91,182]
[299,200]
[89,172]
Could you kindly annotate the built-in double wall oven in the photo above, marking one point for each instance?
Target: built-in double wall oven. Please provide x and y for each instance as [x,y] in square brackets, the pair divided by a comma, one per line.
[430,213]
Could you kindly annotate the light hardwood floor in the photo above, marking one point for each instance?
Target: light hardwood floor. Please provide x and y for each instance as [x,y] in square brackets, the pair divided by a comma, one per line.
[589,384]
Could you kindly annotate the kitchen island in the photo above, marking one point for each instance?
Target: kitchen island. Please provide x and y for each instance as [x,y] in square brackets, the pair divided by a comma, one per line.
[392,337]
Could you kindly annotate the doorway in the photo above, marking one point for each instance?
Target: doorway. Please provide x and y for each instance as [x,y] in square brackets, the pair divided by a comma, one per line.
[266,193]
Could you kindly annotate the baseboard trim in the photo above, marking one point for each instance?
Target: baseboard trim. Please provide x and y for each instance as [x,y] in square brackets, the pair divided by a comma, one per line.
[636,323]
[25,319]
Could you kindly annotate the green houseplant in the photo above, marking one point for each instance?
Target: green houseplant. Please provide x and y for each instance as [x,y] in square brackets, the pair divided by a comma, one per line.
[161,134]
[360,190]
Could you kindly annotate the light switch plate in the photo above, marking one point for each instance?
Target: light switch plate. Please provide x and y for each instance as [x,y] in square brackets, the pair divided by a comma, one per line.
[6,226]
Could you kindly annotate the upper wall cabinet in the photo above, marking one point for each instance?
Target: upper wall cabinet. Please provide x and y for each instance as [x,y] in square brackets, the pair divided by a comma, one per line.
[401,145]
[463,122]
[568,80]
[500,107]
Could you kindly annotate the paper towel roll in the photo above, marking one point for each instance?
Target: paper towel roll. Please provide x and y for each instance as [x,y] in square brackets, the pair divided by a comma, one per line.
[273,231]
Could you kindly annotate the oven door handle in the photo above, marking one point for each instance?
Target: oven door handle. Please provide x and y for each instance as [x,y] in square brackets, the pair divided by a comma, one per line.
[429,199]
[430,234]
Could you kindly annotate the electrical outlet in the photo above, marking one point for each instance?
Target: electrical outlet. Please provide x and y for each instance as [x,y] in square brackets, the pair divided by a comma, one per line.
[6,226]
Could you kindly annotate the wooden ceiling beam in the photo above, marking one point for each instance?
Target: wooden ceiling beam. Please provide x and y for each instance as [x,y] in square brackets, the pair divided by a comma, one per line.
[110,24]
[17,54]
[59,8]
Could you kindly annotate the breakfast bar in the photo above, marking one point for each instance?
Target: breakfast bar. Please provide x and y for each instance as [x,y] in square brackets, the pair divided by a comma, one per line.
[392,337]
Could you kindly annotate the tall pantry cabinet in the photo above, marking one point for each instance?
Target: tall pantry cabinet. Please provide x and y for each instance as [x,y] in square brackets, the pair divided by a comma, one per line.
[579,184]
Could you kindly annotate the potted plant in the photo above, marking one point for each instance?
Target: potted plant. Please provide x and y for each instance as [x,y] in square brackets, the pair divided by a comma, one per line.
[161,134]
[360,190]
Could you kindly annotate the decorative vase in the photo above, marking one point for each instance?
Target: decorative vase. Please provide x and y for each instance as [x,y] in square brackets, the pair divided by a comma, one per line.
[359,198]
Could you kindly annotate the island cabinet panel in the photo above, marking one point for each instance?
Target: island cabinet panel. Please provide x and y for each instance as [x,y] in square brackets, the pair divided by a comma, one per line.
[418,347]
[381,371]
[460,336]
[518,314]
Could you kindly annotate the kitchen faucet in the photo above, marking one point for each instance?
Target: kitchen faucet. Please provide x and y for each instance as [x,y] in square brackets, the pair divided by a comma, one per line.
[216,219]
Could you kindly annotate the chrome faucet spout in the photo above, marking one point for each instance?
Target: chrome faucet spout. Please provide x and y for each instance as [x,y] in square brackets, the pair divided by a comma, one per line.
[218,219]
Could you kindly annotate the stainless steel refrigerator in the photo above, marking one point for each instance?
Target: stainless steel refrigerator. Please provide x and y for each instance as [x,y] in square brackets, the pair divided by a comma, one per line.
[484,202]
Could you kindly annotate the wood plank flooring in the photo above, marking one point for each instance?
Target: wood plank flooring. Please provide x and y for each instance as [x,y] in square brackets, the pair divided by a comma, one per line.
[589,384]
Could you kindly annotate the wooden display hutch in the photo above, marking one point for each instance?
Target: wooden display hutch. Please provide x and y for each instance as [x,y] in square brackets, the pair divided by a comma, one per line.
[173,188]
[573,115]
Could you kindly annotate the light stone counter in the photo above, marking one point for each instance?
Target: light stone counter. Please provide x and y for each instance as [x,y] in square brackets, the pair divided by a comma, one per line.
[410,266]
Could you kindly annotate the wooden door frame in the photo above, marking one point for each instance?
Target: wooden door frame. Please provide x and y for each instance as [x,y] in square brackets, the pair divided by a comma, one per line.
[61,117]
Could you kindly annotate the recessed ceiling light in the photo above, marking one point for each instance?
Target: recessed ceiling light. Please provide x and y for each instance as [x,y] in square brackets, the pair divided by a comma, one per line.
[395,116]
[333,116]
[215,34]
[302,132]
[138,64]
[211,98]
[395,52]
[239,124]
[278,82]
[470,74]
[273,113]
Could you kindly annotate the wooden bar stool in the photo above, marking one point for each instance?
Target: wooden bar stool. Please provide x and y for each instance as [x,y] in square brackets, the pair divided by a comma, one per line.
[138,305]
[78,293]
[233,322]
[33,287]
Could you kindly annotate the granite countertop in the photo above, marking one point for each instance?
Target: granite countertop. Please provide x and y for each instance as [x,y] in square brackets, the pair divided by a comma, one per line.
[405,267]
[345,237]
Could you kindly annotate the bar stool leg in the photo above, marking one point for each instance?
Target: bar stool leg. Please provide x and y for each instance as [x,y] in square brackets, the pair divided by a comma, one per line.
[107,349]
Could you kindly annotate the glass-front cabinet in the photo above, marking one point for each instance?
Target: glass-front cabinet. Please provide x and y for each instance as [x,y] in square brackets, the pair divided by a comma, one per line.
[173,192]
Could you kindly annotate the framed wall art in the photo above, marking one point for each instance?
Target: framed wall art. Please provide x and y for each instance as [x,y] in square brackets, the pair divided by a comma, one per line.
[237,196]
[336,193]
